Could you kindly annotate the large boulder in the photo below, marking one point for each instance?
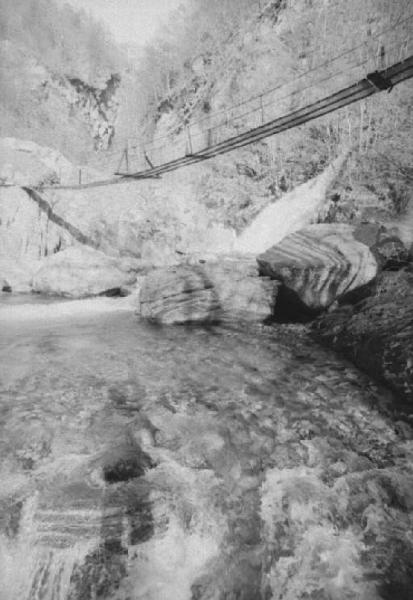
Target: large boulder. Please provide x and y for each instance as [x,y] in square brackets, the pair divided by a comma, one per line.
[242,293]
[178,295]
[225,289]
[81,271]
[317,266]
[377,333]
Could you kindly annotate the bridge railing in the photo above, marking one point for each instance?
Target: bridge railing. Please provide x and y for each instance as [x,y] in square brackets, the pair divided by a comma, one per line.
[197,136]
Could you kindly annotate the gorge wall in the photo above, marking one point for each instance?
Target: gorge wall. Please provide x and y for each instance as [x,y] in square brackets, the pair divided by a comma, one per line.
[60,75]
[217,55]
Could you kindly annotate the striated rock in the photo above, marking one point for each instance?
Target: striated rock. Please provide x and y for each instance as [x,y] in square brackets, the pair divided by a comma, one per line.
[207,292]
[81,271]
[178,295]
[318,265]
[242,293]
[377,334]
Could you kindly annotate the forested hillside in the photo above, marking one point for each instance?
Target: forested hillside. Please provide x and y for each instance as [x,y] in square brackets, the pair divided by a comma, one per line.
[62,39]
[66,85]
[216,54]
[59,71]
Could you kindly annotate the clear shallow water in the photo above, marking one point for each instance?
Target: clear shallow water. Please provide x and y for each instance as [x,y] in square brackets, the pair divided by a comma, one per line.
[152,463]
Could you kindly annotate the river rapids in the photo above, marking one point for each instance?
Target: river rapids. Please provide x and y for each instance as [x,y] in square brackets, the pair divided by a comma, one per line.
[178,463]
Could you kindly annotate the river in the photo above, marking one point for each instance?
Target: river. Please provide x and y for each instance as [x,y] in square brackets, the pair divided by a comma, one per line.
[178,463]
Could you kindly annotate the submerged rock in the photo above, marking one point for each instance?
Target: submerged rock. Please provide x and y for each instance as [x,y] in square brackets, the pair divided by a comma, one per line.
[208,292]
[387,248]
[318,265]
[377,334]
[81,271]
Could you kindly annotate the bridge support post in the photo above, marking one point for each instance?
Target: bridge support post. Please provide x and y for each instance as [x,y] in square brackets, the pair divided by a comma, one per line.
[126,155]
[189,139]
[262,110]
[147,159]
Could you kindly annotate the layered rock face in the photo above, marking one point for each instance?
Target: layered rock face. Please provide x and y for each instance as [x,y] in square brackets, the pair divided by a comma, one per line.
[208,292]
[242,293]
[319,264]
[157,224]
[178,295]
[377,333]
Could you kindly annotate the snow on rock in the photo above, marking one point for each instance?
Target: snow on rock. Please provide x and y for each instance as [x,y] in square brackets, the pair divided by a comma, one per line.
[304,205]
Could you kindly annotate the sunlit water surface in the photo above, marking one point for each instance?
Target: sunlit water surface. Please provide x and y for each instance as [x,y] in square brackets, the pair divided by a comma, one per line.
[141,462]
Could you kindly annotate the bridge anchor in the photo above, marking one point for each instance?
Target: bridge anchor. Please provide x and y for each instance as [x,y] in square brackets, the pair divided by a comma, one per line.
[379,82]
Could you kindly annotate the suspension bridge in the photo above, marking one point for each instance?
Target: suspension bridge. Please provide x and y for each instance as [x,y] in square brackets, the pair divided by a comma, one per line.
[353,75]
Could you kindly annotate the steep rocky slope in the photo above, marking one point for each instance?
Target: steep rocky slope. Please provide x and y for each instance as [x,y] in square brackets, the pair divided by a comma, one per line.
[61,77]
[377,333]
[154,223]
[218,55]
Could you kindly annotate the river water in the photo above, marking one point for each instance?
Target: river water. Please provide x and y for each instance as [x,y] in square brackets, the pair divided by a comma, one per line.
[141,462]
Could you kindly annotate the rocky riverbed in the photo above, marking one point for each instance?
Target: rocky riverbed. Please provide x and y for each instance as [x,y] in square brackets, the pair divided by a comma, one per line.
[156,462]
[222,458]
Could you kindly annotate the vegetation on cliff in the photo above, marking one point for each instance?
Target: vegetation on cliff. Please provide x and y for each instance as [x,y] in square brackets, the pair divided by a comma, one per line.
[62,39]
[58,73]
[217,54]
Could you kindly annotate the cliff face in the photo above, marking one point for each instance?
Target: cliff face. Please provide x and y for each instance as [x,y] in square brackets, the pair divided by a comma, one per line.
[76,101]
[152,223]
[219,62]
[57,109]
[60,75]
